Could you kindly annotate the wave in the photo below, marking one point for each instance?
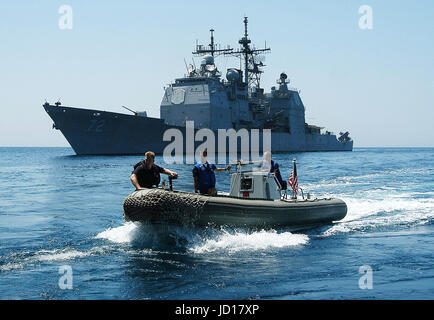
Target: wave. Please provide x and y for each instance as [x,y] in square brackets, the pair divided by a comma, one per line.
[244,240]
[22,259]
[367,214]
[11,266]
[393,176]
[122,234]
[144,235]
[56,255]
[201,240]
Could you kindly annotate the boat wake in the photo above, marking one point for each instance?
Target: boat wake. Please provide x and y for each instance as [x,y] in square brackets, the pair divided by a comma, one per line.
[376,214]
[241,240]
[199,241]
[24,259]
[380,200]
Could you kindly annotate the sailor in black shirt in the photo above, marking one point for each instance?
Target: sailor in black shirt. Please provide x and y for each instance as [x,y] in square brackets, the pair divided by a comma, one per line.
[146,174]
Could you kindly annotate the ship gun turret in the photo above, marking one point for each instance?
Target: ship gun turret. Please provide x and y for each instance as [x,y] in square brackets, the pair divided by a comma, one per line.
[137,113]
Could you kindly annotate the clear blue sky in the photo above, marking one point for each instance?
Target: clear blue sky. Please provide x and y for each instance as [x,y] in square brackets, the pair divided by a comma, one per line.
[378,84]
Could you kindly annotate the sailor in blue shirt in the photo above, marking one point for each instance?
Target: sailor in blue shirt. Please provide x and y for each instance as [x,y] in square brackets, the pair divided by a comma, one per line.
[204,176]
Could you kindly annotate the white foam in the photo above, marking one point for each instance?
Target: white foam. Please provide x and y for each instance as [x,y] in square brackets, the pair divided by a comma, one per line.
[48,256]
[11,266]
[261,240]
[359,208]
[123,234]
[138,234]
[392,211]
[201,240]
[364,179]
[62,255]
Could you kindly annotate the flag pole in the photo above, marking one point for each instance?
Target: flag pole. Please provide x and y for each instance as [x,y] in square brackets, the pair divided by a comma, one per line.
[294,193]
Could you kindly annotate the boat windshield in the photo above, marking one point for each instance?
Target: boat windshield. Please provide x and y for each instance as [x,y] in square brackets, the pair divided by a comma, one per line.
[257,167]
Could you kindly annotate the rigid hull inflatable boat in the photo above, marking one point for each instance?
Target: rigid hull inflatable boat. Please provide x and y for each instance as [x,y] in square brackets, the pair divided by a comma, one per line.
[255,201]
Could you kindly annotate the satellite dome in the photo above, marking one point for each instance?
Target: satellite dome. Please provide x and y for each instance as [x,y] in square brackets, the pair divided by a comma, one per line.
[232,75]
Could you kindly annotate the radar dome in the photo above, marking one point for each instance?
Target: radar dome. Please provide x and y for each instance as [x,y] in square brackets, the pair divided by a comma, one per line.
[207,60]
[232,75]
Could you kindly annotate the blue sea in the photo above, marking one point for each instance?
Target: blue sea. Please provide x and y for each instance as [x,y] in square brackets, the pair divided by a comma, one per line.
[62,235]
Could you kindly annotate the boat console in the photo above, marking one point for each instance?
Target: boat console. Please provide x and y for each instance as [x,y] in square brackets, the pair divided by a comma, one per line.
[253,183]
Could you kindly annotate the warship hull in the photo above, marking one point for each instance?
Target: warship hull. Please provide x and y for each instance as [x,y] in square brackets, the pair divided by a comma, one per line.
[95,132]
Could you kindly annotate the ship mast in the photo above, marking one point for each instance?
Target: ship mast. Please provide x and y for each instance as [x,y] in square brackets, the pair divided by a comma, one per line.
[252,73]
[252,64]
[245,42]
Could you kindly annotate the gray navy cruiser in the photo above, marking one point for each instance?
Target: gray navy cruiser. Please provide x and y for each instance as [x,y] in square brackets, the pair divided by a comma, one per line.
[208,100]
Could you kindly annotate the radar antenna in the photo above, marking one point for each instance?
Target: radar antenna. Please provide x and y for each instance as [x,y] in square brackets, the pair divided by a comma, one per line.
[211,48]
[252,62]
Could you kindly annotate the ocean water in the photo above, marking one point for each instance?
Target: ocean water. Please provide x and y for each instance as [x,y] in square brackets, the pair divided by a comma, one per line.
[61,215]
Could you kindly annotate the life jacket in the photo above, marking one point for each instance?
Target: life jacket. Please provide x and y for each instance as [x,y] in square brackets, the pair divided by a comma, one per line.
[206,176]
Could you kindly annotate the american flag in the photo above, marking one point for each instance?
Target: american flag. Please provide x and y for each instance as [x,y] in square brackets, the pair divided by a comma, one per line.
[293,180]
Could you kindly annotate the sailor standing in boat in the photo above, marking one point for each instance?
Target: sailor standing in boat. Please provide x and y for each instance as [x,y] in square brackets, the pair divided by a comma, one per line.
[273,167]
[146,174]
[204,176]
